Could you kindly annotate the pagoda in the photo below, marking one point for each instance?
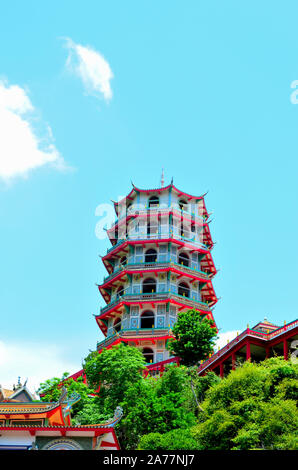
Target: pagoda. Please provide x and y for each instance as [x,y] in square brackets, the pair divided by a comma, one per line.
[159,264]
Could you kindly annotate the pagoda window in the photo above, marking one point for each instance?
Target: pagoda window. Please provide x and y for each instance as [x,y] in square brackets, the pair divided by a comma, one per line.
[117,324]
[183,258]
[128,208]
[183,204]
[151,256]
[163,253]
[120,292]
[164,225]
[152,228]
[148,354]
[185,228]
[149,286]
[123,261]
[153,201]
[183,289]
[147,319]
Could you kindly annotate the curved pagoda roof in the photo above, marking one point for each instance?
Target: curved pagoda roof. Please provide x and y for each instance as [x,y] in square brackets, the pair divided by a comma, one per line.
[135,190]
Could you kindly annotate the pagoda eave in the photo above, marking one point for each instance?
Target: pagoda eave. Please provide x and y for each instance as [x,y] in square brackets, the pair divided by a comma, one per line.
[169,299]
[136,190]
[168,267]
[145,241]
[159,212]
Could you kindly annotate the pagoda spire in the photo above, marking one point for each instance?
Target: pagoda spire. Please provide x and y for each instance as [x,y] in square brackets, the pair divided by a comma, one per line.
[162,179]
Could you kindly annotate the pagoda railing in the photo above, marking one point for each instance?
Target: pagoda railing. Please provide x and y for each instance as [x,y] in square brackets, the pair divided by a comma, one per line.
[126,333]
[136,209]
[248,332]
[159,236]
[160,265]
[159,366]
[154,296]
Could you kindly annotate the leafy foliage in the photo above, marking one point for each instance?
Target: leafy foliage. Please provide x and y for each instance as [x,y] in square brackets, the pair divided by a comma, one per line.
[157,405]
[178,439]
[91,413]
[51,390]
[204,383]
[194,337]
[252,408]
[114,370]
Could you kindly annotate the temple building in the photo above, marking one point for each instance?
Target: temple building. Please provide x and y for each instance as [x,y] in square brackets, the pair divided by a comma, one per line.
[159,264]
[27,424]
[262,341]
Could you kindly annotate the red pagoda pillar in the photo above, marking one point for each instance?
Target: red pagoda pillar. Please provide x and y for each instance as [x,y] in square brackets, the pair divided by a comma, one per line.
[267,352]
[233,361]
[248,350]
[286,350]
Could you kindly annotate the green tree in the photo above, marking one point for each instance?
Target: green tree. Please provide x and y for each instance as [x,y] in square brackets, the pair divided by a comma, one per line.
[51,390]
[158,405]
[194,337]
[113,371]
[178,439]
[194,341]
[91,413]
[203,383]
[252,408]
[272,425]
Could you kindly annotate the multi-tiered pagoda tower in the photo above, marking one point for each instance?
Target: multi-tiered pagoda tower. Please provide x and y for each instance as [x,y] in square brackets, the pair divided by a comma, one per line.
[159,264]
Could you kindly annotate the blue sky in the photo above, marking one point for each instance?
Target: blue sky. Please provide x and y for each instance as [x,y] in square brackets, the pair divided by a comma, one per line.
[202,89]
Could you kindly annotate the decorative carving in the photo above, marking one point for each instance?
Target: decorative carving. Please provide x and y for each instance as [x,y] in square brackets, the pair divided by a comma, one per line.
[62,444]
[118,413]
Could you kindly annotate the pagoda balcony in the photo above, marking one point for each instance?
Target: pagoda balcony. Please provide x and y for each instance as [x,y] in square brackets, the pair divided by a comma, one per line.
[136,210]
[157,297]
[137,334]
[143,267]
[139,209]
[162,236]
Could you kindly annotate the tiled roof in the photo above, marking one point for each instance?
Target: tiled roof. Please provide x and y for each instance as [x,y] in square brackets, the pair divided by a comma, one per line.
[24,408]
[5,392]
[164,188]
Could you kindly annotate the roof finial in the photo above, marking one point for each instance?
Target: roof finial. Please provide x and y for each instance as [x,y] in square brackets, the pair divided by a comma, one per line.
[162,179]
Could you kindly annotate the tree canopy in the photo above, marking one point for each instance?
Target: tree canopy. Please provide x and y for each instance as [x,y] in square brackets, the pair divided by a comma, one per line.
[254,407]
[194,337]
[113,371]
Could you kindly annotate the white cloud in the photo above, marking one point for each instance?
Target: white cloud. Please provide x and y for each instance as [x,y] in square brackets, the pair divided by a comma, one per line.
[21,149]
[94,71]
[35,361]
[224,337]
